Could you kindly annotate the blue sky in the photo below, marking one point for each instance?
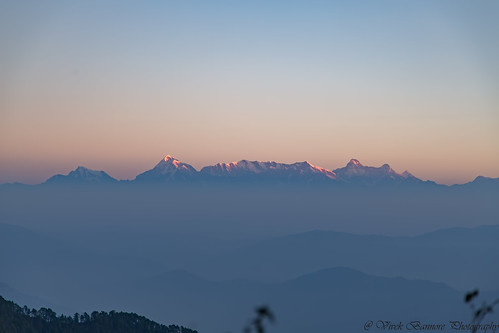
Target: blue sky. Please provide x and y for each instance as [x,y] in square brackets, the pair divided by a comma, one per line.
[116,85]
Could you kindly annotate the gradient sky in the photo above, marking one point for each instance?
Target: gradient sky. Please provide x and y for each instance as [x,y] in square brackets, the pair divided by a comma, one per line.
[116,85]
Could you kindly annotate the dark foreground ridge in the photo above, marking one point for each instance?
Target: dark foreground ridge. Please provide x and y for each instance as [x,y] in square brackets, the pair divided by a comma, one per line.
[14,319]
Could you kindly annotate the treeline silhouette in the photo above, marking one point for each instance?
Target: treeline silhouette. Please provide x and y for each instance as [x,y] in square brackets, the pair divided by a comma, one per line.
[14,319]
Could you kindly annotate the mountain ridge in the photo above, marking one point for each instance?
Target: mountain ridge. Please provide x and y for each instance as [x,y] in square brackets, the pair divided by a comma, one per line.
[80,174]
[171,170]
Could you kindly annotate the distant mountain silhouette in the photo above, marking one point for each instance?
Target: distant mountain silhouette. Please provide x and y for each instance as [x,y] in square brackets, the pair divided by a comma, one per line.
[480,183]
[82,175]
[313,288]
[47,267]
[337,297]
[436,256]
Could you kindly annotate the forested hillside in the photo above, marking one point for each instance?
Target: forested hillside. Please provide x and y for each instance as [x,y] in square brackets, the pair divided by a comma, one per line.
[14,319]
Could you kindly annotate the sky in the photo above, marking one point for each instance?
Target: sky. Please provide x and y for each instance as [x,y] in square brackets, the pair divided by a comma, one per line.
[117,85]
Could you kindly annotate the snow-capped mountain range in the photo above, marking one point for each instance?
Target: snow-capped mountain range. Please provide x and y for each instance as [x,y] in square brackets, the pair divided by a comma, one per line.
[170,170]
[257,169]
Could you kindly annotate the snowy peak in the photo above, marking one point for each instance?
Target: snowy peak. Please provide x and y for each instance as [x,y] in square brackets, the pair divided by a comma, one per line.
[240,167]
[170,163]
[306,167]
[168,159]
[356,173]
[169,168]
[354,163]
[267,170]
[82,175]
[236,168]
[85,172]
